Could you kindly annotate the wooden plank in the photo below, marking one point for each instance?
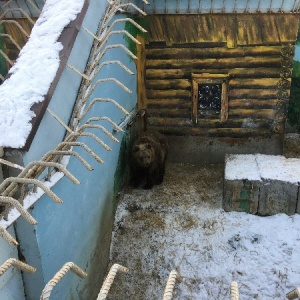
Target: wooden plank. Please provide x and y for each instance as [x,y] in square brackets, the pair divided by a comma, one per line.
[152,94]
[212,63]
[155,30]
[179,103]
[260,83]
[169,112]
[252,113]
[287,27]
[256,30]
[255,72]
[209,123]
[179,84]
[159,121]
[179,73]
[247,29]
[141,90]
[253,103]
[233,73]
[219,52]
[252,93]
[231,31]
[243,133]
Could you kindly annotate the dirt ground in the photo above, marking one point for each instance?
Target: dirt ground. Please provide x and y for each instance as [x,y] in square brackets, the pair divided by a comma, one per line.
[151,224]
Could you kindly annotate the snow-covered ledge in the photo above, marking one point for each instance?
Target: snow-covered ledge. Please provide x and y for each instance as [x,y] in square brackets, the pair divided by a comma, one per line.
[25,94]
[261,184]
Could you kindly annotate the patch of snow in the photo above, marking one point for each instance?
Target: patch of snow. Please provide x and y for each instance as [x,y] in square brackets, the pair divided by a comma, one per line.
[34,71]
[242,166]
[261,166]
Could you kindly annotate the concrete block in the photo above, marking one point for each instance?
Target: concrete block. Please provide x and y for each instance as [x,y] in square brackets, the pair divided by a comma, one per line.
[241,195]
[241,183]
[261,184]
[277,197]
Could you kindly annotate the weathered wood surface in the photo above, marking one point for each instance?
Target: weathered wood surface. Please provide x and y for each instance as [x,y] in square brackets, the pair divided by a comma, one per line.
[232,73]
[248,52]
[198,53]
[19,37]
[232,29]
[217,63]
[141,91]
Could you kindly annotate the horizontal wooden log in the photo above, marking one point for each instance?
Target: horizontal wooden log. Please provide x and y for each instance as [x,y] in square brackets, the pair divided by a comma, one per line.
[261,83]
[236,103]
[169,103]
[222,52]
[210,123]
[213,132]
[232,113]
[178,84]
[211,63]
[252,103]
[252,93]
[232,73]
[169,112]
[185,84]
[251,113]
[161,121]
[167,94]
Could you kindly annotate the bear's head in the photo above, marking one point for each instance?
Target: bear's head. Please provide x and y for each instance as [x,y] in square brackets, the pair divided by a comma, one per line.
[143,154]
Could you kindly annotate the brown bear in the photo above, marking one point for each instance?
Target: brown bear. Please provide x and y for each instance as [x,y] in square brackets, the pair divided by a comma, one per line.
[148,159]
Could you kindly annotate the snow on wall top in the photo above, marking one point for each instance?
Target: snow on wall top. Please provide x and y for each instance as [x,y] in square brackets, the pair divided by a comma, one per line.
[34,71]
[260,166]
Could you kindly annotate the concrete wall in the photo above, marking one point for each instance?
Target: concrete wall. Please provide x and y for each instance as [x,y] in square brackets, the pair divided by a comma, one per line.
[79,230]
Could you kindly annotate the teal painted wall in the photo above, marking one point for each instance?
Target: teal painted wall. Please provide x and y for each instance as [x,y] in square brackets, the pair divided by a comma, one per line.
[11,287]
[79,230]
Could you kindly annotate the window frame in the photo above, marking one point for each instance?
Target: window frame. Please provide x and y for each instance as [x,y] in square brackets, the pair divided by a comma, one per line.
[207,78]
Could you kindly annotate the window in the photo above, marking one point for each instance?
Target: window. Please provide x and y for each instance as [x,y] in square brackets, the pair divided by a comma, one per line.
[209,99]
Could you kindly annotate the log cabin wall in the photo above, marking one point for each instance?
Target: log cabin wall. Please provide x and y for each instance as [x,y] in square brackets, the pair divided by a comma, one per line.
[254,51]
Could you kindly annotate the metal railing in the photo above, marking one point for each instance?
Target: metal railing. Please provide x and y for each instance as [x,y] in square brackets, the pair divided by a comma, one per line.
[33,175]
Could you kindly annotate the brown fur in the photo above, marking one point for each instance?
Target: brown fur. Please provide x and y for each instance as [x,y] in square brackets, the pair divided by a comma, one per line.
[148,159]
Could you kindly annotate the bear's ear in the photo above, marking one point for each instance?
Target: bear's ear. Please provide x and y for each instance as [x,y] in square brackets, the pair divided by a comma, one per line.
[136,148]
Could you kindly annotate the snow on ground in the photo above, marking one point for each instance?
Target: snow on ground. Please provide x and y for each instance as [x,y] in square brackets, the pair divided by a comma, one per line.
[34,71]
[180,225]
